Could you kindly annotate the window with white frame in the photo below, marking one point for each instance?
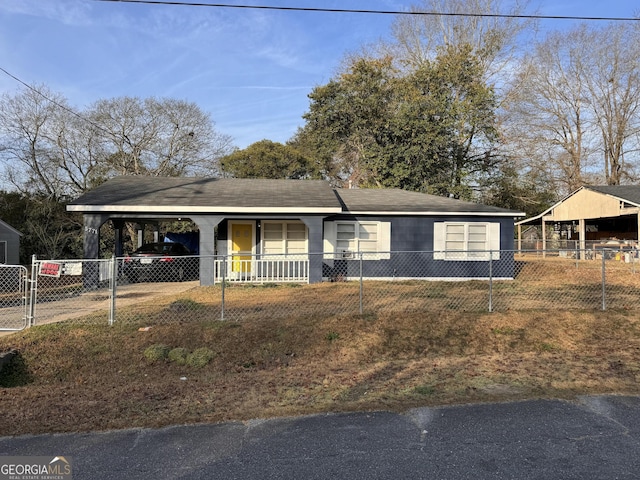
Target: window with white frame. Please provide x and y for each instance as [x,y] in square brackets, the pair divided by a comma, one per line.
[3,252]
[346,239]
[466,240]
[284,238]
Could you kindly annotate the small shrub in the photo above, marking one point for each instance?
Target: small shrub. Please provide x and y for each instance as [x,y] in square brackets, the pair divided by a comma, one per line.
[178,355]
[185,305]
[157,352]
[548,347]
[15,373]
[200,357]
[425,390]
[331,336]
[503,331]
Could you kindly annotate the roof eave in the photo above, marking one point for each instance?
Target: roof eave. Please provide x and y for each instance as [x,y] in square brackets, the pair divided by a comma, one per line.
[436,213]
[198,209]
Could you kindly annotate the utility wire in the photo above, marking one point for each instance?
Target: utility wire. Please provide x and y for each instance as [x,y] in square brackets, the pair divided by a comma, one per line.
[58,104]
[379,12]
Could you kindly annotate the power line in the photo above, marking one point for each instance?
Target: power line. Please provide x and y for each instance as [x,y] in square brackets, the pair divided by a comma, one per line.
[378,12]
[58,104]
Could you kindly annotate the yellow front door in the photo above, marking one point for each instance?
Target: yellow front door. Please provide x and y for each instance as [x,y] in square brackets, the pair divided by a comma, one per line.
[241,246]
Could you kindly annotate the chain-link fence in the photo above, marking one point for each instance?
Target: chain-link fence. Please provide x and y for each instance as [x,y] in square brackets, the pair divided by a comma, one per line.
[183,289]
[557,246]
[13,297]
[67,289]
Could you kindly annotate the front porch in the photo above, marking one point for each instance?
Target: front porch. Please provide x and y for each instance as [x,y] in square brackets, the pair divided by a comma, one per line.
[266,249]
[263,269]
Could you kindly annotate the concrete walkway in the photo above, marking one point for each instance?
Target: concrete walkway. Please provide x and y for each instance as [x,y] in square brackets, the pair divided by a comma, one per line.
[596,437]
[88,303]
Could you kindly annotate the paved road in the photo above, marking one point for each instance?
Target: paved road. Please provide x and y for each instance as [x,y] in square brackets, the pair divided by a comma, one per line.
[597,437]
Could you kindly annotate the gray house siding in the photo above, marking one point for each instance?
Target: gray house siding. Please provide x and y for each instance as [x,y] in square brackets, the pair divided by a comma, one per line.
[9,245]
[412,246]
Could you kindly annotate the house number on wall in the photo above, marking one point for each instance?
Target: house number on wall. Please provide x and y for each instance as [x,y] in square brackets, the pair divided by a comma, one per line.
[91,230]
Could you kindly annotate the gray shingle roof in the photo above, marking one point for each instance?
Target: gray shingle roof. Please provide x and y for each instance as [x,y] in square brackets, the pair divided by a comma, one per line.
[140,191]
[630,193]
[209,195]
[396,201]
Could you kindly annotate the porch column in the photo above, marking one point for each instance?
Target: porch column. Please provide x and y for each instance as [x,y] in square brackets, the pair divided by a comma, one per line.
[314,224]
[91,270]
[582,237]
[207,226]
[544,238]
[118,225]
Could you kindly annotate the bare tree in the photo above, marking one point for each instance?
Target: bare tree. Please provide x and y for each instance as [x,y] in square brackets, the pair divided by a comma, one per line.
[575,107]
[46,147]
[547,117]
[160,137]
[612,75]
[27,132]
[493,39]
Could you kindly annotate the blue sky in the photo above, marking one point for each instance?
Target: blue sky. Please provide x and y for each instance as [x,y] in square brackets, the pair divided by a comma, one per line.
[250,69]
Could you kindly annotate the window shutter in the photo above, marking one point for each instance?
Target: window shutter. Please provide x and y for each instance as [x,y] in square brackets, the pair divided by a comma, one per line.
[494,240]
[439,235]
[384,240]
[329,240]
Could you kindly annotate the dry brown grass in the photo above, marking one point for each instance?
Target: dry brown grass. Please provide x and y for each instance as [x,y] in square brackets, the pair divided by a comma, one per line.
[80,376]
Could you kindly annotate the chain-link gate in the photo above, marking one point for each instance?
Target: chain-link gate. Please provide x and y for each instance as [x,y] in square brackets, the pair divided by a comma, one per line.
[13,297]
[66,289]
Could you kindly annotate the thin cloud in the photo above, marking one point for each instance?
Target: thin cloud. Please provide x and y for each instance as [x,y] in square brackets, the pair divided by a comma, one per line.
[68,12]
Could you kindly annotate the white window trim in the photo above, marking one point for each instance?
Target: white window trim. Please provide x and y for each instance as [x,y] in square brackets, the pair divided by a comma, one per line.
[383,246]
[4,245]
[439,242]
[285,254]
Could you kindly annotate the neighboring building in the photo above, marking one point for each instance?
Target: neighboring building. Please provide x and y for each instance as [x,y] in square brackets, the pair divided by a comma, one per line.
[591,215]
[9,244]
[288,220]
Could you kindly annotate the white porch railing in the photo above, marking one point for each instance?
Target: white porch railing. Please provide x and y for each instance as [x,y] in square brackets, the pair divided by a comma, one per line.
[262,270]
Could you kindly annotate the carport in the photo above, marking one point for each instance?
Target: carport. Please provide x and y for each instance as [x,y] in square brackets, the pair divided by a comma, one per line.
[591,216]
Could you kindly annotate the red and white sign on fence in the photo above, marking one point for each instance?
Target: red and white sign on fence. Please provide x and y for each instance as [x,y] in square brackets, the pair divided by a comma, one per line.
[50,269]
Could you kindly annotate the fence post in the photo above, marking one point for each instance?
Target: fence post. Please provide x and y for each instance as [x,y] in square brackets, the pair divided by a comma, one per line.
[33,284]
[604,301]
[361,285]
[224,281]
[113,280]
[490,281]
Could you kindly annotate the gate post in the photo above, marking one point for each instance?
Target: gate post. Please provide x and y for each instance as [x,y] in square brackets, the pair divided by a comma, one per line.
[360,254]
[604,282]
[490,281]
[113,280]
[222,286]
[33,284]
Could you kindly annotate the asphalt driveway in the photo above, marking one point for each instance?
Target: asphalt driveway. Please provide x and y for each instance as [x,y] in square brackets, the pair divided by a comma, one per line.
[596,437]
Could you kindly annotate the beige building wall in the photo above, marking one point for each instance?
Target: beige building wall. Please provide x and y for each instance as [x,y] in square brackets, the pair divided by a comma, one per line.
[585,204]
